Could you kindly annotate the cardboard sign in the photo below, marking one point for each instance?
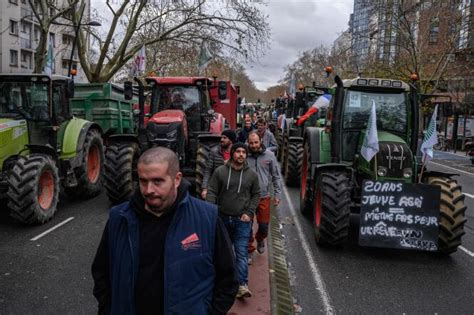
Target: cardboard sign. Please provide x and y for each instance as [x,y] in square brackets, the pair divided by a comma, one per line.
[399,215]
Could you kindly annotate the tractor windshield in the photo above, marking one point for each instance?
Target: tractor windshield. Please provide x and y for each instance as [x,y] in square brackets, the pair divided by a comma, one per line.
[182,97]
[24,99]
[391,110]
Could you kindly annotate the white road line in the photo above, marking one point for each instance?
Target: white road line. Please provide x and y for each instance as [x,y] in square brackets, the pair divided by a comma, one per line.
[464,249]
[328,309]
[452,168]
[469,195]
[51,229]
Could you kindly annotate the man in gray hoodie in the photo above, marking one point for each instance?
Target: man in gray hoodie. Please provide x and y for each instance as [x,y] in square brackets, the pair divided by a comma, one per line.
[235,188]
[266,136]
[264,163]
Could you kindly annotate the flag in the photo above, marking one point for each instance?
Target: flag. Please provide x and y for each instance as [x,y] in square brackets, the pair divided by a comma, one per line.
[322,101]
[48,68]
[243,101]
[204,58]
[285,95]
[138,65]
[292,86]
[370,147]
[430,138]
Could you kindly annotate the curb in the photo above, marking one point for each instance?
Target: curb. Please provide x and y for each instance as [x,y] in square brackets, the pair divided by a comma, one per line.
[280,289]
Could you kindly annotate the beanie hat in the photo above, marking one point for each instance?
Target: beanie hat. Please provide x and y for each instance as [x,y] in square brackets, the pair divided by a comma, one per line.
[237,145]
[229,133]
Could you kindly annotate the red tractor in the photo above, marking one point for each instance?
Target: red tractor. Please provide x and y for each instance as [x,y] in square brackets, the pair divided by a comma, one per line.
[180,114]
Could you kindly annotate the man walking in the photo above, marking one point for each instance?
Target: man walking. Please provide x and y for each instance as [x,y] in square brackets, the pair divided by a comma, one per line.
[217,157]
[248,127]
[267,137]
[164,252]
[263,162]
[235,189]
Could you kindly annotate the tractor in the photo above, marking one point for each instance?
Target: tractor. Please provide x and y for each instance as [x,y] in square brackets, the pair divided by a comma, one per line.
[178,115]
[44,146]
[291,149]
[334,173]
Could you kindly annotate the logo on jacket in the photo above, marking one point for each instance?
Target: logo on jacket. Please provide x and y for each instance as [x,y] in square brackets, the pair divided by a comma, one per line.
[191,242]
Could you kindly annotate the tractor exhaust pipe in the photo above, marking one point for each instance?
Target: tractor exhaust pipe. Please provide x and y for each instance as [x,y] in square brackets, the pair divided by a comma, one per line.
[336,121]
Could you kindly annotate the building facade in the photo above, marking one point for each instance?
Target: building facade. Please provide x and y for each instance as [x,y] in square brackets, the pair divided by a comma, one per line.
[19,37]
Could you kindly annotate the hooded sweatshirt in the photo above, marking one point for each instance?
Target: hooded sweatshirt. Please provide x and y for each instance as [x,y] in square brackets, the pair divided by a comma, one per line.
[235,192]
[265,165]
[269,141]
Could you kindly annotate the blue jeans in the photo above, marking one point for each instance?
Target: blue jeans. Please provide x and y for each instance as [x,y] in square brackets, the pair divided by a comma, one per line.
[239,233]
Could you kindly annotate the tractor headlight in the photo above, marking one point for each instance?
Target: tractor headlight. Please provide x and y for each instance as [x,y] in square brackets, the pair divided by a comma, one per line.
[382,171]
[407,172]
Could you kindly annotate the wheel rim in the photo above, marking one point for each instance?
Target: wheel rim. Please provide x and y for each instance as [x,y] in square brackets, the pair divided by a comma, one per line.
[46,189]
[304,175]
[93,164]
[317,208]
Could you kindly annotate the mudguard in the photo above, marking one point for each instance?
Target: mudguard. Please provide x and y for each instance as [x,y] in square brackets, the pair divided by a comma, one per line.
[73,137]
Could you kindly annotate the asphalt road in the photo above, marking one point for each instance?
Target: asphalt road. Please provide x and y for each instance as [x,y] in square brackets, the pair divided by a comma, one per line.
[358,280]
[51,275]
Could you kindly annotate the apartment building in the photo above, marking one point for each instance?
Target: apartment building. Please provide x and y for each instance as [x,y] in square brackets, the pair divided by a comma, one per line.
[19,37]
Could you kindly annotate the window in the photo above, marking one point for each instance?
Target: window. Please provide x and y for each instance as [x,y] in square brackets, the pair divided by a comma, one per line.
[13,58]
[13,1]
[67,39]
[36,33]
[434,30]
[52,38]
[13,27]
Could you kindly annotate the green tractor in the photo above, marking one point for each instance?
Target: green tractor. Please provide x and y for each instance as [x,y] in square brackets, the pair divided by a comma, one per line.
[43,146]
[334,172]
[292,135]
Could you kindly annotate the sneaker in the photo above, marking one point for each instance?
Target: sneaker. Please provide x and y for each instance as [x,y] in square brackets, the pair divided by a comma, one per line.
[261,247]
[243,292]
[249,259]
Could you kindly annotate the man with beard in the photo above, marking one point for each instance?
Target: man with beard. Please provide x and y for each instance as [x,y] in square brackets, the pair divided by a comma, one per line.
[266,136]
[234,188]
[263,162]
[164,251]
[217,157]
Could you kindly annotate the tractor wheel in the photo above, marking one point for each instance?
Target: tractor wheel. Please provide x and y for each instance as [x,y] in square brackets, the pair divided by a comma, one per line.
[294,163]
[284,155]
[201,161]
[33,189]
[452,214]
[331,208]
[280,145]
[89,173]
[121,171]
[305,191]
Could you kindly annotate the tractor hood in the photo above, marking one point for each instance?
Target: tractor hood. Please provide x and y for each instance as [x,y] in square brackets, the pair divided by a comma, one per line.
[13,137]
[394,159]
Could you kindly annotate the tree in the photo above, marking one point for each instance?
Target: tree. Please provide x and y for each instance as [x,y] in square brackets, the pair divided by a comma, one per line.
[235,28]
[46,13]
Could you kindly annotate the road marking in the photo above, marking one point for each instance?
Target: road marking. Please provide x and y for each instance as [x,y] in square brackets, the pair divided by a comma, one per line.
[469,195]
[466,251]
[328,309]
[51,229]
[458,170]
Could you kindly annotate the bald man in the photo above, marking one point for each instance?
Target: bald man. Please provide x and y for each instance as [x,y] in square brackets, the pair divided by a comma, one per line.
[164,251]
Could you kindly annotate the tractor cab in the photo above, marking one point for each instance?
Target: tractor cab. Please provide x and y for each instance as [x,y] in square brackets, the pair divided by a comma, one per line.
[395,126]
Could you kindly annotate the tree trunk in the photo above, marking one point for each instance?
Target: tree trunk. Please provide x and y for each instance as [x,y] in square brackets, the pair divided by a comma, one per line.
[41,51]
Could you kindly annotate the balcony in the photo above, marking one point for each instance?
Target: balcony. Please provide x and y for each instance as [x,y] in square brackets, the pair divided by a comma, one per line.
[27,15]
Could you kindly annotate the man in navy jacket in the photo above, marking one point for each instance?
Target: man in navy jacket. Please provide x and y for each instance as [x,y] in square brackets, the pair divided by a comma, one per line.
[164,252]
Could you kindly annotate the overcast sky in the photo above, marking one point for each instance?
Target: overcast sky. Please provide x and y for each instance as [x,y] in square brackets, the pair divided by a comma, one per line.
[298,25]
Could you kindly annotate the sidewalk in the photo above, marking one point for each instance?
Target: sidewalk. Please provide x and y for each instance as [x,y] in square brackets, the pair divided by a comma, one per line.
[259,284]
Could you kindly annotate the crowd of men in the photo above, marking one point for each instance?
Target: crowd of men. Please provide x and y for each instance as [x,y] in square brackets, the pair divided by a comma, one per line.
[165,251]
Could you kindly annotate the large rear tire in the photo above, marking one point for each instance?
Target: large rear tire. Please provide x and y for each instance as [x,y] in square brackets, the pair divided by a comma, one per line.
[33,189]
[331,208]
[284,154]
[280,144]
[294,164]
[452,214]
[90,173]
[306,183]
[121,171]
